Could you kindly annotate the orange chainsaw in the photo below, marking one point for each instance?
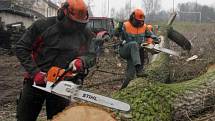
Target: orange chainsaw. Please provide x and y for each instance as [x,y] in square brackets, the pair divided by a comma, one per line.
[57,83]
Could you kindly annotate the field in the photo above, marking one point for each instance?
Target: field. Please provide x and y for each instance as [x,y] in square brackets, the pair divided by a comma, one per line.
[106,77]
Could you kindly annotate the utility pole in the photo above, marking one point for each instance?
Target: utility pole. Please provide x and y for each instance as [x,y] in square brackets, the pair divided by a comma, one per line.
[90,6]
[173,6]
[108,8]
[152,4]
[130,6]
[88,3]
[200,13]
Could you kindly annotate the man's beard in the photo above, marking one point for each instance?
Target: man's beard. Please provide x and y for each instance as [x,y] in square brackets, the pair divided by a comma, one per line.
[70,26]
[137,23]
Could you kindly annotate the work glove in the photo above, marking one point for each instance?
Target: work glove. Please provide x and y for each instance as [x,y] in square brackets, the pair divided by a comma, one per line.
[156,39]
[77,65]
[39,78]
[27,76]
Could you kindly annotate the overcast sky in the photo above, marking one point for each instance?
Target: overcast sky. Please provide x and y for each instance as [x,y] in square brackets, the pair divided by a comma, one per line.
[100,7]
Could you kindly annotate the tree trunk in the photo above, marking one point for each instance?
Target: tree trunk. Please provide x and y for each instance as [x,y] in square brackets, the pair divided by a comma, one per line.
[158,69]
[155,101]
[152,100]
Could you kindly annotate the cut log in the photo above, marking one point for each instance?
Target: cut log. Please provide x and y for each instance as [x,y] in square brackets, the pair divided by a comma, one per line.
[84,113]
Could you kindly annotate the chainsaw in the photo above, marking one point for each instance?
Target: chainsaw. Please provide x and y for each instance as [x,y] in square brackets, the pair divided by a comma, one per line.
[155,48]
[58,85]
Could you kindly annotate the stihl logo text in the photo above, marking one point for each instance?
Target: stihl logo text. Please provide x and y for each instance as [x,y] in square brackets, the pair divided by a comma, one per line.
[89,97]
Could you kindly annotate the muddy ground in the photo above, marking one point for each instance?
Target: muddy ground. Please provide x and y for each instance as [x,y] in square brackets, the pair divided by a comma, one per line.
[106,76]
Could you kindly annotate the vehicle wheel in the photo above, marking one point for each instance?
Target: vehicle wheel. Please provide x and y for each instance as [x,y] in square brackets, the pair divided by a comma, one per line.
[180,39]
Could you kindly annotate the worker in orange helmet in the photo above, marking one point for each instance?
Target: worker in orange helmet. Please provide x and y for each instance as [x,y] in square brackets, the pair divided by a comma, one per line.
[135,33]
[62,41]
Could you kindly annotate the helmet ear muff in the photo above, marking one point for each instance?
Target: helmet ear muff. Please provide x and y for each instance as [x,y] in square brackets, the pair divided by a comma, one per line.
[61,13]
[132,16]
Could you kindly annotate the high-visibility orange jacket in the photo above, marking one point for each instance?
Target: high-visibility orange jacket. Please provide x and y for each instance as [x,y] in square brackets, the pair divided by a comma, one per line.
[138,34]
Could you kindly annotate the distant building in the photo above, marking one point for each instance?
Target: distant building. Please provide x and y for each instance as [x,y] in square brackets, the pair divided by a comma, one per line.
[12,13]
[26,11]
[45,7]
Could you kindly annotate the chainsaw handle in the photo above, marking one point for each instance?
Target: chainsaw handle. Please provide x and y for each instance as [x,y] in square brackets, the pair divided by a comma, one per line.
[148,46]
[59,79]
[83,74]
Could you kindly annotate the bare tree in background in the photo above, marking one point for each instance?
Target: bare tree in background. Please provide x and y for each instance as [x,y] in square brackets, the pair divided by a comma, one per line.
[112,12]
[157,6]
[187,12]
[148,5]
[104,9]
[151,7]
[122,14]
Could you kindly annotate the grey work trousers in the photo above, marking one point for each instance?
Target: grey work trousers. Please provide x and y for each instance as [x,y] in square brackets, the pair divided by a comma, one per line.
[134,55]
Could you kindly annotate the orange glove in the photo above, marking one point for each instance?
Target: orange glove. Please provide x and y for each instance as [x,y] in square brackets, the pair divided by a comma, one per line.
[149,41]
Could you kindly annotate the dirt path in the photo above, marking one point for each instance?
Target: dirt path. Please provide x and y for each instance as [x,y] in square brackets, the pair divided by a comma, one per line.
[10,79]
[10,84]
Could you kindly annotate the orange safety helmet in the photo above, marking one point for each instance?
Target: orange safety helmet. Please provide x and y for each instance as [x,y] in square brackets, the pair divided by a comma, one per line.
[75,10]
[139,14]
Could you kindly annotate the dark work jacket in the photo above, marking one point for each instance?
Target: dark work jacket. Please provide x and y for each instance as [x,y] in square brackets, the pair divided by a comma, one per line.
[43,45]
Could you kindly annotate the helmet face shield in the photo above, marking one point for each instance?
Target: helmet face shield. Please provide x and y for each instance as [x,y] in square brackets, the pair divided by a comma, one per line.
[137,23]
[70,26]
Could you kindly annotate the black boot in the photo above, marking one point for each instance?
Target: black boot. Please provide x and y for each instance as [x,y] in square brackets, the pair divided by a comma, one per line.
[140,71]
[125,83]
